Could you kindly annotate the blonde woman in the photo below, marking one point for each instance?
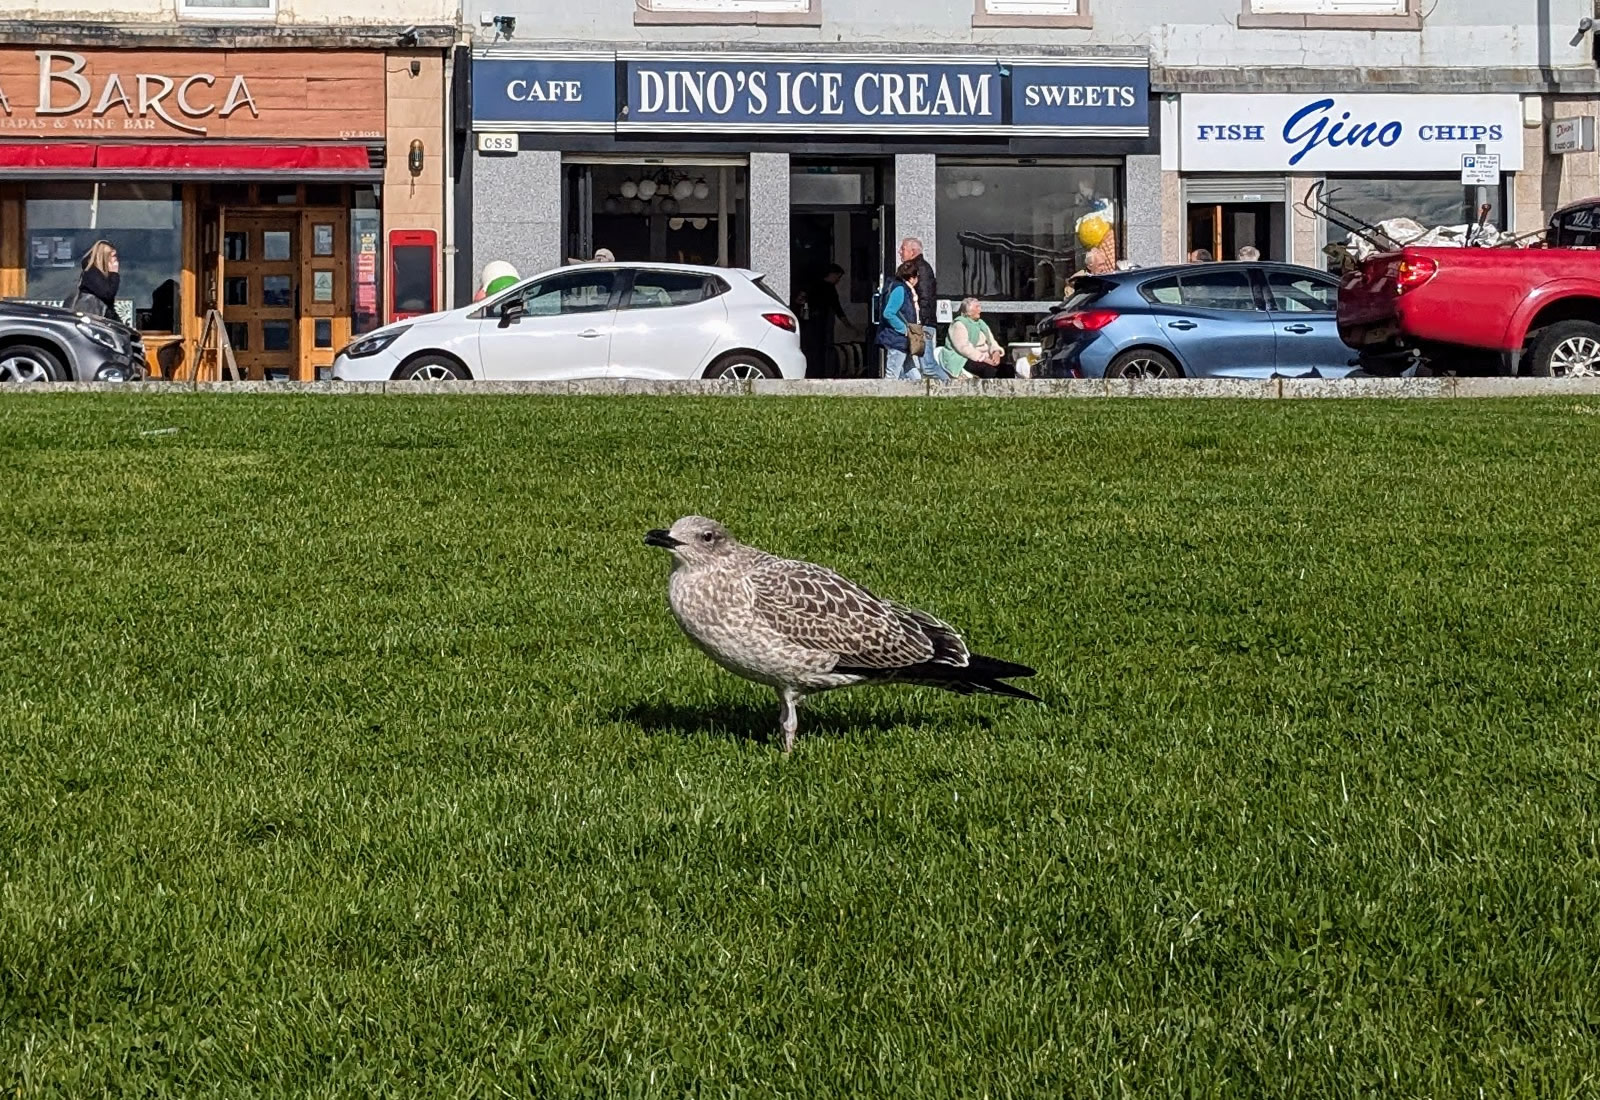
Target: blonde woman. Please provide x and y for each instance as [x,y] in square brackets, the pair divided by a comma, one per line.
[97,286]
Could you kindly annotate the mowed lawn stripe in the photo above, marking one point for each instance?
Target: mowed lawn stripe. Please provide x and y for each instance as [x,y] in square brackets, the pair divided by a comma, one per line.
[352,750]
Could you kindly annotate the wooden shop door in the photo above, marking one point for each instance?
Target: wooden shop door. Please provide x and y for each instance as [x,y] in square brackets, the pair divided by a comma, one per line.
[261,292]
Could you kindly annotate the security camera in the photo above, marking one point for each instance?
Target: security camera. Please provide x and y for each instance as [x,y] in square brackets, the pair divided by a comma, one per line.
[409,36]
[1585,25]
[505,25]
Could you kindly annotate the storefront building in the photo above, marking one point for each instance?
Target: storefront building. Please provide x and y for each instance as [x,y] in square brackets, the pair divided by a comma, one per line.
[790,161]
[264,190]
[1246,161]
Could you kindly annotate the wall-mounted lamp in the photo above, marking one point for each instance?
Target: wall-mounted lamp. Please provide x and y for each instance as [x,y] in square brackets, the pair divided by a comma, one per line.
[505,25]
[414,159]
[416,67]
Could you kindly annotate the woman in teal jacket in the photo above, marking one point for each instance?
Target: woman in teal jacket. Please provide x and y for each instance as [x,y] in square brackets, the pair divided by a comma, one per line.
[900,311]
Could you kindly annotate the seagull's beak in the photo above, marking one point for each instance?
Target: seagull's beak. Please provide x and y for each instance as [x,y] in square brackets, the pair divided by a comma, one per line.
[661,538]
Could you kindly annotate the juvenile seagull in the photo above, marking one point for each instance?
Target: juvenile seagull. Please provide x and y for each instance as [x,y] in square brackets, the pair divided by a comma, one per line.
[802,629]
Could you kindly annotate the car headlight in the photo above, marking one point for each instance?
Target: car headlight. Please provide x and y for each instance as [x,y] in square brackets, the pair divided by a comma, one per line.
[372,345]
[103,335]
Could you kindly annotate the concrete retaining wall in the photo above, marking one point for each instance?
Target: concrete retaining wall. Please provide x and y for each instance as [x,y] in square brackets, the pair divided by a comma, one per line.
[1268,388]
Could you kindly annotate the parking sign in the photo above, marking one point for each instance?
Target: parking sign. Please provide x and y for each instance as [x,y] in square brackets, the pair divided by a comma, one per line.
[1480,169]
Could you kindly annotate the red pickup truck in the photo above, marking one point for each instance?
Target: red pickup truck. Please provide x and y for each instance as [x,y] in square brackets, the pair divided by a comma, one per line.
[1532,311]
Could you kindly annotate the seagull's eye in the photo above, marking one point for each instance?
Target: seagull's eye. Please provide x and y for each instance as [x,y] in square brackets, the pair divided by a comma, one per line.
[708,537]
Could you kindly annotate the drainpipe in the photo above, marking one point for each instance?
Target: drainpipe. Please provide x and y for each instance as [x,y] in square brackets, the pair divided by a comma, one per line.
[448,190]
[1546,69]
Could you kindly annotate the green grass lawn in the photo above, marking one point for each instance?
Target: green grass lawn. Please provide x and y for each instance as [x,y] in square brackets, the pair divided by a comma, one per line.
[349,749]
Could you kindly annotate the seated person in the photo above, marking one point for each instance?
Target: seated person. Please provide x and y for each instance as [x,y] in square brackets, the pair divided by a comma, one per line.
[970,346]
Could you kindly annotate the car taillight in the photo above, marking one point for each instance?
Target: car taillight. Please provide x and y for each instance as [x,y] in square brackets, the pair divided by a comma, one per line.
[1412,273]
[782,320]
[1090,320]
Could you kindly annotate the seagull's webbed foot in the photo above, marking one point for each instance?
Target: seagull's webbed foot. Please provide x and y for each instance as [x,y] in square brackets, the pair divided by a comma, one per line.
[788,718]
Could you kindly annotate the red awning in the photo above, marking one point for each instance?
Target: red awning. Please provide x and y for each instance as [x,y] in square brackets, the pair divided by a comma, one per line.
[189,160]
[42,154]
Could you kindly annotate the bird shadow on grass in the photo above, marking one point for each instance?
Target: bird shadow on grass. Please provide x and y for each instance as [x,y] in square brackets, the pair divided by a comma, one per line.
[749,721]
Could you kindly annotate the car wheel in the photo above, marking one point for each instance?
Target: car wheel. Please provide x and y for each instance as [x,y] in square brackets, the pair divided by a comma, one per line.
[1143,363]
[432,368]
[23,363]
[739,368]
[1567,349]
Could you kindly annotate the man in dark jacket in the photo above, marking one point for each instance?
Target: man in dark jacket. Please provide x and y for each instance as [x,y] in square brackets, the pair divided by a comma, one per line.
[927,302]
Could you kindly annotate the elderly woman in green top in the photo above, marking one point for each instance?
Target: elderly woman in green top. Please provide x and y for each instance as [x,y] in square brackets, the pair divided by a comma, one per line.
[970,346]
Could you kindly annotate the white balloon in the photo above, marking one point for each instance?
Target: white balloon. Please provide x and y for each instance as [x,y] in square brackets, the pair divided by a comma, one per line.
[629,189]
[647,188]
[978,188]
[682,189]
[698,223]
[964,188]
[702,189]
[674,223]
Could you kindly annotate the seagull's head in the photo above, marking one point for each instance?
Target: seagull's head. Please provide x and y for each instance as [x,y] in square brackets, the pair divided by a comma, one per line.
[694,540]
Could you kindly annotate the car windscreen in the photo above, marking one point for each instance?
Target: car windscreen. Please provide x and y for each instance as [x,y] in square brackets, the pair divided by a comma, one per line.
[1578,227]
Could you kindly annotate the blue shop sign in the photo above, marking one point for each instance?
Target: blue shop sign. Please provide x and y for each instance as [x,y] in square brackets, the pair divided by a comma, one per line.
[813,95]
[1088,98]
[810,94]
[570,92]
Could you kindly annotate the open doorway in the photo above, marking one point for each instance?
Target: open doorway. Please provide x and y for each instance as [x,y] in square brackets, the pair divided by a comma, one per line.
[1224,228]
[839,237]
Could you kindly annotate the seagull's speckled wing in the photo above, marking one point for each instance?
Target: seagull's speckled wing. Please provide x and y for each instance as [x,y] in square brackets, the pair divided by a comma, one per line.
[817,608]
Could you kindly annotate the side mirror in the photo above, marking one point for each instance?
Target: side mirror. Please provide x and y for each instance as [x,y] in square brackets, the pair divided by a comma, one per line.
[512,312]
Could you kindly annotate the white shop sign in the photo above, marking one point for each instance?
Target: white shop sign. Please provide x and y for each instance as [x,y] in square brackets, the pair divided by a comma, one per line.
[1317,133]
[1572,135]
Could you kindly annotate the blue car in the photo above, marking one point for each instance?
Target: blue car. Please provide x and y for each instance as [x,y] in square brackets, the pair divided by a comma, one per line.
[1218,320]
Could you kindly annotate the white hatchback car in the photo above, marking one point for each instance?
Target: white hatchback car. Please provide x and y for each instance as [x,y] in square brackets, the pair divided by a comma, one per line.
[646,321]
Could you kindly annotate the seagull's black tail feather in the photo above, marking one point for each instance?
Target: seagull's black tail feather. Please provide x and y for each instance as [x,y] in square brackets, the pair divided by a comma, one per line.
[979,676]
[994,668]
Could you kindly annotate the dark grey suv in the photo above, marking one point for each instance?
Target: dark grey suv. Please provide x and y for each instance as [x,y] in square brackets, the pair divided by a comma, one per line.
[50,344]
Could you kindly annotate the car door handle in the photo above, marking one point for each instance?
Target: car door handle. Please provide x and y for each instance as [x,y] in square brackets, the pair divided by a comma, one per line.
[1298,329]
[1182,326]
[589,333]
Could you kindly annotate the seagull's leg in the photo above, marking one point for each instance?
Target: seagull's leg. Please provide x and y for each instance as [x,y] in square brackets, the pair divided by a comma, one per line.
[788,716]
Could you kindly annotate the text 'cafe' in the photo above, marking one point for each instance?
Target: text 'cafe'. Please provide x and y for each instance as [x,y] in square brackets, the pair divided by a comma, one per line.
[796,164]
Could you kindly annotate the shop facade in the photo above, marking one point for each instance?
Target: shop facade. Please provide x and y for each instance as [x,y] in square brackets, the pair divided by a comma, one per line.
[1244,162]
[797,162]
[269,191]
